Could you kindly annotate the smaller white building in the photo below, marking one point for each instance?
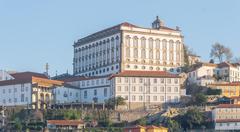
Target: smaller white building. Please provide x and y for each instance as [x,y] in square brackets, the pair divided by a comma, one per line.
[66,94]
[202,74]
[228,72]
[143,89]
[226,117]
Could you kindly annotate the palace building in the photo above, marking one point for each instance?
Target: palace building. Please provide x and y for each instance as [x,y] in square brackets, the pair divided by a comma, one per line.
[129,47]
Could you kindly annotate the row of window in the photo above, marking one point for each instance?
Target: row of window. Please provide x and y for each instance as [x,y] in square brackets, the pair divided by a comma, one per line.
[93,82]
[95,92]
[99,44]
[135,42]
[151,54]
[147,89]
[66,94]
[152,98]
[15,90]
[15,100]
[147,80]
[97,72]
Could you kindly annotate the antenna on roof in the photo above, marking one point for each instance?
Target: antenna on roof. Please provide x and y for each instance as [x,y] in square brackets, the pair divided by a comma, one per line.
[47,68]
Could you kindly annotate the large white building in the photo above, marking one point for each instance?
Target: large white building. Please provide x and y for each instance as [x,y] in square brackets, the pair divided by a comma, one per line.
[138,88]
[129,47]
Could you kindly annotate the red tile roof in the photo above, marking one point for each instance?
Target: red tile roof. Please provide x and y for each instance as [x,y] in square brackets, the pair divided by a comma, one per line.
[22,77]
[227,120]
[228,106]
[65,122]
[161,74]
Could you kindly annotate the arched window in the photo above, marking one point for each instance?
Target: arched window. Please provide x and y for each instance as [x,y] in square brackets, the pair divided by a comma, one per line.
[127,41]
[143,42]
[127,52]
[157,54]
[164,44]
[143,54]
[135,53]
[150,42]
[150,54]
[135,41]
[158,44]
[171,45]
[178,45]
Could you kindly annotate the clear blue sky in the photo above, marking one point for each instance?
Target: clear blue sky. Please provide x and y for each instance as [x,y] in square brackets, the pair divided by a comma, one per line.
[33,32]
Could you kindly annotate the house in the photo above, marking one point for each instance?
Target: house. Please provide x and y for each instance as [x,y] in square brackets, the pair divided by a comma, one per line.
[226,117]
[65,124]
[229,72]
[229,89]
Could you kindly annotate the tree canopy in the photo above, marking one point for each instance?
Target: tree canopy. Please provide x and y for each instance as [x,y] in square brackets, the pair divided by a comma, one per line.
[221,52]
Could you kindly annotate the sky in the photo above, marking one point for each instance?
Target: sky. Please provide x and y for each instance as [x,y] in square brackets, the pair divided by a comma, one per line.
[33,33]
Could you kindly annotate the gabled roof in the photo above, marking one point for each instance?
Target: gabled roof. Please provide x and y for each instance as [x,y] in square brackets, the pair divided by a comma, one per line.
[201,64]
[22,77]
[160,74]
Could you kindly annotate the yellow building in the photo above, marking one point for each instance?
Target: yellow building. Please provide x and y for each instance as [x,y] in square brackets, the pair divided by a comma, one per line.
[228,89]
[151,128]
[42,91]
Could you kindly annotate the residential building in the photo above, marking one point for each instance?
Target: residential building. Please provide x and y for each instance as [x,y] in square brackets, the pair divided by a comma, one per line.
[151,128]
[65,124]
[27,89]
[226,117]
[129,47]
[66,94]
[92,89]
[143,89]
[229,89]
[202,74]
[229,72]
[193,59]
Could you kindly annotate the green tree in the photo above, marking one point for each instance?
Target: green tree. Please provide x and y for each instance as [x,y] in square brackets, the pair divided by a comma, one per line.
[116,101]
[142,121]
[200,99]
[220,52]
[172,125]
[193,118]
[18,124]
[211,91]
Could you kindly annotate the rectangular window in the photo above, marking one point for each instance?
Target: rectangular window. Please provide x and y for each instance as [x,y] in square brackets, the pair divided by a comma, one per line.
[85,94]
[161,89]
[162,98]
[126,88]
[22,87]
[4,91]
[169,89]
[126,80]
[176,89]
[134,80]
[133,88]
[154,89]
[105,92]
[140,98]
[169,81]
[119,88]
[133,98]
[141,89]
[140,80]
[95,92]
[162,80]
[15,90]
[119,80]
[22,97]
[9,90]
[155,80]
[15,100]
[154,98]
[176,80]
